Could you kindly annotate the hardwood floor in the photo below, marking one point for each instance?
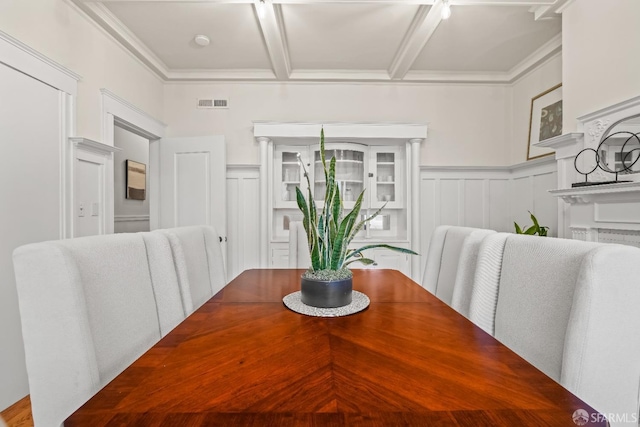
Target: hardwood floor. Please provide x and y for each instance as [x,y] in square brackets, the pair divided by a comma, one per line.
[18,414]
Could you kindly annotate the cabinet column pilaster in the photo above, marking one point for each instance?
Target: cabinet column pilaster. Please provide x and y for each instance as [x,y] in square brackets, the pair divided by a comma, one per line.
[264,202]
[414,205]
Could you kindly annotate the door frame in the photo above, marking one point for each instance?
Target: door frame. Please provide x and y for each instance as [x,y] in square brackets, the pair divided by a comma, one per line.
[118,111]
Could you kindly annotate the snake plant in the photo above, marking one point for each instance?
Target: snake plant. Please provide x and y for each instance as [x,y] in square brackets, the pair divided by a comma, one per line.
[330,232]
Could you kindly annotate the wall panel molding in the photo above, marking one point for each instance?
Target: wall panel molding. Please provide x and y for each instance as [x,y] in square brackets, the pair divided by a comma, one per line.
[486,197]
[243,218]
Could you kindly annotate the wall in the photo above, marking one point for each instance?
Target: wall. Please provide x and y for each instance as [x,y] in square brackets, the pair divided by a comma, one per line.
[59,30]
[468,124]
[130,215]
[600,61]
[532,84]
[487,197]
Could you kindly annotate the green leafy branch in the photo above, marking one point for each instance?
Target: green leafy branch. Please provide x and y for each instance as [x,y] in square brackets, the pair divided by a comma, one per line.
[536,228]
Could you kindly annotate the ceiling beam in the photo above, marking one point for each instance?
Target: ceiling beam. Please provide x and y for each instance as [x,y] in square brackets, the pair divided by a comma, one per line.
[550,11]
[274,38]
[112,25]
[420,31]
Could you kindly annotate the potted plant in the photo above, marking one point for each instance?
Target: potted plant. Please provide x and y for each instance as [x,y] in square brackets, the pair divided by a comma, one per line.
[540,230]
[328,282]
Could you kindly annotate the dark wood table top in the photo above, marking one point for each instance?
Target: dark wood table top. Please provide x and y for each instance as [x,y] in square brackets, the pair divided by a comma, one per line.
[243,358]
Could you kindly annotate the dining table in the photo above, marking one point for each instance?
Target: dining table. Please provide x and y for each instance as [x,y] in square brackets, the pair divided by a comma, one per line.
[408,359]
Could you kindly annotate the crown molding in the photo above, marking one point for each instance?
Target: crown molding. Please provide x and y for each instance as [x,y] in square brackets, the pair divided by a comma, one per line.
[537,58]
[423,26]
[117,29]
[18,55]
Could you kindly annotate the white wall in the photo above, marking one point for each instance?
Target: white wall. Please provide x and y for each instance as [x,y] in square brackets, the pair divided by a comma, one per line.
[59,30]
[468,124]
[130,215]
[532,84]
[29,193]
[601,65]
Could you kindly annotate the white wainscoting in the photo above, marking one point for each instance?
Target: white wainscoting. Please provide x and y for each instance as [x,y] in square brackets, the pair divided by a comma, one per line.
[487,197]
[243,218]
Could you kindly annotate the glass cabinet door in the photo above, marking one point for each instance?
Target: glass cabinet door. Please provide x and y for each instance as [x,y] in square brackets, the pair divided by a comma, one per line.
[386,185]
[289,174]
[350,173]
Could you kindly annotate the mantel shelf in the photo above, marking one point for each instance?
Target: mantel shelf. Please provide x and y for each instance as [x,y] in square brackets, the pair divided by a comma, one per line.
[600,193]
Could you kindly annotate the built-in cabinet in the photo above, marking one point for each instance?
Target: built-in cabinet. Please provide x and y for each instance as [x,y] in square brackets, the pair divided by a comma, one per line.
[379,166]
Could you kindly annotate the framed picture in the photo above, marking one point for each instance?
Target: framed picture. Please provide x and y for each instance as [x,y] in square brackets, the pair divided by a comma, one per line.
[136,180]
[545,121]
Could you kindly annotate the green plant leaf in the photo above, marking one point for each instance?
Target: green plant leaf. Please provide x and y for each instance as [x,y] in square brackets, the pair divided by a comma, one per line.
[518,229]
[535,220]
[365,261]
[530,231]
[392,248]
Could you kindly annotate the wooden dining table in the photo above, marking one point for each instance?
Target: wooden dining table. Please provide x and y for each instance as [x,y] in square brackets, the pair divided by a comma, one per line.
[243,358]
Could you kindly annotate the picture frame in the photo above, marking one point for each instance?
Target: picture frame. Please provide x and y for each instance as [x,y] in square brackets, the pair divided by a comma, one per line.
[545,121]
[136,182]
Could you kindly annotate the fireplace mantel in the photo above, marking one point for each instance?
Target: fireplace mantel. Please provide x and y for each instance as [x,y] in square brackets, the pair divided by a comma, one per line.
[606,193]
[605,212]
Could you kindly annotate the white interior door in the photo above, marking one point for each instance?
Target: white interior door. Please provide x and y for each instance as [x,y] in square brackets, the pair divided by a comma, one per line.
[31,211]
[193,183]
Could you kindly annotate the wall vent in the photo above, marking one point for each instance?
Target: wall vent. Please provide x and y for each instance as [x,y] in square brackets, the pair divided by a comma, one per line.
[213,103]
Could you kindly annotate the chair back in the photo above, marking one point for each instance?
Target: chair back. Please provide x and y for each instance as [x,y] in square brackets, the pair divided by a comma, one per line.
[173,297]
[298,246]
[444,256]
[467,266]
[537,283]
[600,362]
[484,294]
[88,310]
[199,261]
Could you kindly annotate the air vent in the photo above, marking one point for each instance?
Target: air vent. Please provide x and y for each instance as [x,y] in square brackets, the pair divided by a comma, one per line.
[213,103]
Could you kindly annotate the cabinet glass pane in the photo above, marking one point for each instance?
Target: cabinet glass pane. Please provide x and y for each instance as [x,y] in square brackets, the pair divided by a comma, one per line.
[381,222]
[350,173]
[290,176]
[386,178]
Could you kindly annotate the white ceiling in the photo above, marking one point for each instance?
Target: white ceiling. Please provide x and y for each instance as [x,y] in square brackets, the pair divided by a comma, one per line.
[493,41]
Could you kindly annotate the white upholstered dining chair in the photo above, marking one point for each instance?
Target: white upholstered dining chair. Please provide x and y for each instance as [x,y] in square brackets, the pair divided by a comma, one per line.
[451,262]
[88,310]
[199,261]
[570,308]
[600,361]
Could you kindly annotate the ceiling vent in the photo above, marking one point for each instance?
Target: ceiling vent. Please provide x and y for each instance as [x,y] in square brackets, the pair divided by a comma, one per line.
[213,103]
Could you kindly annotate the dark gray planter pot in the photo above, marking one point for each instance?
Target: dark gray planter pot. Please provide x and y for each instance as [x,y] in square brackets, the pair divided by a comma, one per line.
[326,294]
